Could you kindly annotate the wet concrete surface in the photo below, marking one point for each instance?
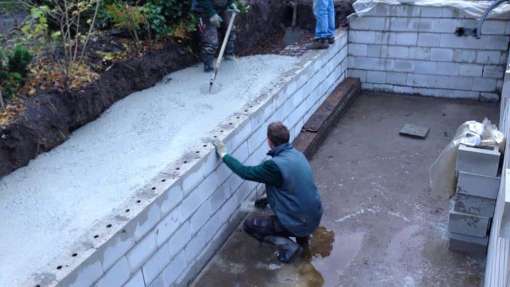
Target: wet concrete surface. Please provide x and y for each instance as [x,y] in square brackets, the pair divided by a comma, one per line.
[381,226]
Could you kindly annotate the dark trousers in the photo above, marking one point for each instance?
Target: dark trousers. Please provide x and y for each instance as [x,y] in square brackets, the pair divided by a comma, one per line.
[209,36]
[260,226]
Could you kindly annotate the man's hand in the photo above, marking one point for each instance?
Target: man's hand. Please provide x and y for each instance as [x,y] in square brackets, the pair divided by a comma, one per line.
[233,8]
[216,20]
[221,150]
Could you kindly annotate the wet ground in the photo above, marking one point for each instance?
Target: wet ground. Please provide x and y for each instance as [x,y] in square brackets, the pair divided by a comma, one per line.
[380,227]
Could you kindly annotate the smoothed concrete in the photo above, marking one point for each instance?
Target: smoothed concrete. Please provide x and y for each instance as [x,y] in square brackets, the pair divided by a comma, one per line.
[381,226]
[48,205]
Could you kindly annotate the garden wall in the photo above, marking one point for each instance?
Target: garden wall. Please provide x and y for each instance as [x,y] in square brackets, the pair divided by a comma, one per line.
[414,50]
[172,228]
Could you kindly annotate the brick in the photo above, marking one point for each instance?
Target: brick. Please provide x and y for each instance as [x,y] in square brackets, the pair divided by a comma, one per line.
[116,276]
[358,49]
[478,161]
[420,53]
[136,280]
[179,239]
[406,39]
[397,52]
[464,56]
[370,23]
[374,50]
[470,70]
[468,224]
[474,205]
[478,185]
[425,67]
[494,72]
[441,54]
[363,37]
[446,68]
[137,256]
[428,39]
[403,66]
[168,225]
[489,57]
[156,264]
[376,77]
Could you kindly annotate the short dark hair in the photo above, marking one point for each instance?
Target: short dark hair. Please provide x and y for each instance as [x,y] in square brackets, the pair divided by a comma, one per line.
[278,133]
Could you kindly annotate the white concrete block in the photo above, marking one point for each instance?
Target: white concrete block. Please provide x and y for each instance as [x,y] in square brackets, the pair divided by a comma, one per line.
[116,276]
[403,24]
[256,138]
[363,37]
[153,267]
[402,65]
[398,52]
[489,57]
[219,196]
[464,56]
[419,53]
[428,40]
[192,179]
[425,67]
[484,84]
[171,198]
[432,12]
[441,82]
[376,77]
[88,274]
[174,269]
[496,72]
[396,78]
[168,225]
[139,254]
[136,280]
[471,70]
[486,42]
[405,39]
[370,23]
[361,74]
[494,27]
[478,161]
[441,54]
[375,50]
[404,10]
[358,49]
[200,217]
[147,220]
[489,97]
[116,248]
[179,239]
[447,68]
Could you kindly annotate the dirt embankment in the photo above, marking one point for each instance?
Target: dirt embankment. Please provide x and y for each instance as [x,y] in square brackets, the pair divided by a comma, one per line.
[48,118]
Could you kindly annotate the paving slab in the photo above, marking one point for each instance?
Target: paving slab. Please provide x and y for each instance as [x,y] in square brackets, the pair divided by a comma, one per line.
[381,226]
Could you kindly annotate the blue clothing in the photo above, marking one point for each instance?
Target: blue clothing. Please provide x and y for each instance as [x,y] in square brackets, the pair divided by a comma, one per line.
[296,203]
[324,11]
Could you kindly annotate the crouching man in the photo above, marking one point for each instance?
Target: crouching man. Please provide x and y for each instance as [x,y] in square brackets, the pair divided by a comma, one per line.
[291,194]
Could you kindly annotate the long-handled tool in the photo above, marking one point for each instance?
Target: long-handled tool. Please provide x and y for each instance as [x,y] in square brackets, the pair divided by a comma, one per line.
[222,51]
[293,33]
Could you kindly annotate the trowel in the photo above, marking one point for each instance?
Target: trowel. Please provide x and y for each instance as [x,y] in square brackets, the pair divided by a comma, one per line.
[293,34]
[222,51]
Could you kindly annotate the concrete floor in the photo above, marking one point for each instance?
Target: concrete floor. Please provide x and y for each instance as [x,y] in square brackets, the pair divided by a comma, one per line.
[380,227]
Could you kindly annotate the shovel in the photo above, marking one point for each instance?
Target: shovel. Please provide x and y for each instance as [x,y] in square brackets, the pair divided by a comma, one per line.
[293,34]
[222,51]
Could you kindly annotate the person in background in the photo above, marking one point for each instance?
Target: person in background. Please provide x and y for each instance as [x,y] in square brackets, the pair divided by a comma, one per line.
[214,15]
[324,11]
[291,194]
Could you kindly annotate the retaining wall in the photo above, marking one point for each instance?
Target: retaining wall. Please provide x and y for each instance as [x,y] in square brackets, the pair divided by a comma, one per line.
[414,50]
[169,231]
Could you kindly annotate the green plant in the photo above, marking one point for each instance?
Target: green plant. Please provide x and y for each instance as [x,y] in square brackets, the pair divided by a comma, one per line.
[19,59]
[125,16]
[13,70]
[155,20]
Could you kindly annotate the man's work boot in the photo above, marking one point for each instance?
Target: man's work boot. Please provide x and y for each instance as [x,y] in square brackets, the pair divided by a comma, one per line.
[208,64]
[331,40]
[261,203]
[319,44]
[230,57]
[287,249]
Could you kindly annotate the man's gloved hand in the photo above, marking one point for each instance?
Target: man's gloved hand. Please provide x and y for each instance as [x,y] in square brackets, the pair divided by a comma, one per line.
[216,20]
[233,8]
[221,150]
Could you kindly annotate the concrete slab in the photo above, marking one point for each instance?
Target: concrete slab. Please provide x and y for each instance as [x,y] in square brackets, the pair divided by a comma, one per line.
[381,226]
[478,185]
[54,201]
[474,205]
[468,224]
[478,161]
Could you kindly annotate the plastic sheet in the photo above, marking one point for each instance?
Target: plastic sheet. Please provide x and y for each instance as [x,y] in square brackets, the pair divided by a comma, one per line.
[474,9]
[442,173]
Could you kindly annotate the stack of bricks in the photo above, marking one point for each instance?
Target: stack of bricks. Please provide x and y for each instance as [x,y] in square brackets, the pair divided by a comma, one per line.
[473,206]
[415,50]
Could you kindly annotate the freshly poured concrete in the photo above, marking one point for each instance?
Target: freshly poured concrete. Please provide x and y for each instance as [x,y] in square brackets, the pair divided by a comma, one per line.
[46,206]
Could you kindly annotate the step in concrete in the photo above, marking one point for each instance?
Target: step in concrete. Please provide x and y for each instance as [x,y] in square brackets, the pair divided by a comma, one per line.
[468,224]
[478,185]
[318,126]
[478,161]
[474,205]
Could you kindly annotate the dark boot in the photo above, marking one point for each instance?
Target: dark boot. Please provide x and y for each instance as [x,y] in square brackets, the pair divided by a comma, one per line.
[208,64]
[331,40]
[318,44]
[287,249]
[261,203]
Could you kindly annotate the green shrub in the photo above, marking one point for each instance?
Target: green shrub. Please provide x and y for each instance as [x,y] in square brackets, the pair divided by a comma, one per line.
[13,69]
[19,59]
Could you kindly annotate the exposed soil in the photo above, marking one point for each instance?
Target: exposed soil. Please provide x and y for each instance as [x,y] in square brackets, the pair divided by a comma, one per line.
[48,118]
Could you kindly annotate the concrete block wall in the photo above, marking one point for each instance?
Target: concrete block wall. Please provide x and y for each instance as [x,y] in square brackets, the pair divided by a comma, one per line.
[169,231]
[414,49]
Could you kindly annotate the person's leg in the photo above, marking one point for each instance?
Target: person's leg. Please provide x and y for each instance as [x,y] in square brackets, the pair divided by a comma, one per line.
[321,10]
[209,43]
[331,21]
[231,44]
